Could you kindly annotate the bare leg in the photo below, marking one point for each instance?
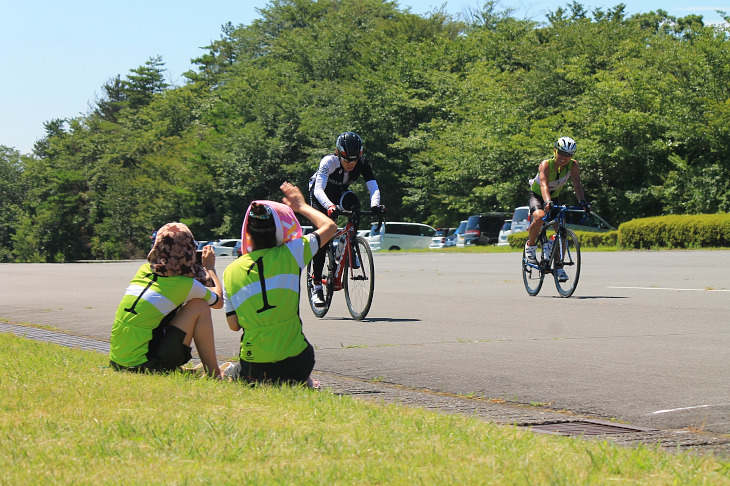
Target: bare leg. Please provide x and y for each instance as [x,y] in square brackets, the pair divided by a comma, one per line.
[194,318]
[535,227]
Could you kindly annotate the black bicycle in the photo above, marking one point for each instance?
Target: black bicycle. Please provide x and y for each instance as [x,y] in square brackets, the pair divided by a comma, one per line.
[558,254]
[349,266]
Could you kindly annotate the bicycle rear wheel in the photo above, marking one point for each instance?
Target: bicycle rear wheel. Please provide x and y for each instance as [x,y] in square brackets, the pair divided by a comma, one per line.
[532,275]
[328,283]
[360,281]
[569,260]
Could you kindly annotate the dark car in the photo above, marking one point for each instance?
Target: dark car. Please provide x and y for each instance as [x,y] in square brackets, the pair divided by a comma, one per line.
[483,229]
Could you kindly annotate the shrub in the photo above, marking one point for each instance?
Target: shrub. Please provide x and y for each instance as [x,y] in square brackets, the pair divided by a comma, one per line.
[594,239]
[586,238]
[676,231]
[673,231]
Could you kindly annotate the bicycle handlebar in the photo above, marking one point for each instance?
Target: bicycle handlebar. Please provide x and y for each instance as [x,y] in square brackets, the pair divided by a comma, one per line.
[357,213]
[561,209]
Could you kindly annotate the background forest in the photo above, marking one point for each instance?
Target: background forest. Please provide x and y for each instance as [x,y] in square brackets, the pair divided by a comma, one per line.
[455,115]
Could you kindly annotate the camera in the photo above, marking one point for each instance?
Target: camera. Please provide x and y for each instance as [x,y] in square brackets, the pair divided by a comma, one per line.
[199,257]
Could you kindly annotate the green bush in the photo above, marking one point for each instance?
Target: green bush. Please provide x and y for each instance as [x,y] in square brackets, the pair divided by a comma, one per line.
[676,231]
[517,240]
[594,239]
[586,238]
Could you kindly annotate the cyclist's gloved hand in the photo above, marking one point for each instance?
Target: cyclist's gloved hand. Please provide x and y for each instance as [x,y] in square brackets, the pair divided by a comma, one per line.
[378,209]
[547,206]
[586,206]
[332,211]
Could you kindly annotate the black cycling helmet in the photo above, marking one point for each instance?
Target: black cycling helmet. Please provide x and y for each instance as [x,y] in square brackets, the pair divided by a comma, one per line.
[349,146]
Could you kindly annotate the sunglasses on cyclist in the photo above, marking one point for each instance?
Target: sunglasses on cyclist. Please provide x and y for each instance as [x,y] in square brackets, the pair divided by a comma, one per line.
[564,154]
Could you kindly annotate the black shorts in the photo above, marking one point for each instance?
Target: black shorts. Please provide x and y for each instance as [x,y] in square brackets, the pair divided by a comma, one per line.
[294,370]
[536,202]
[169,354]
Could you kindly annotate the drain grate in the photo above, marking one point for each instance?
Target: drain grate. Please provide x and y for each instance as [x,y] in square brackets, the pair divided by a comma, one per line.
[587,427]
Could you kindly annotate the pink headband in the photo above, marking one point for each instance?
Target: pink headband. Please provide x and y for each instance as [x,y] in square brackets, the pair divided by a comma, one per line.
[287,226]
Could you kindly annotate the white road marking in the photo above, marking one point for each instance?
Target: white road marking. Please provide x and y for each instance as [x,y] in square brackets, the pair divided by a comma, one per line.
[687,408]
[669,288]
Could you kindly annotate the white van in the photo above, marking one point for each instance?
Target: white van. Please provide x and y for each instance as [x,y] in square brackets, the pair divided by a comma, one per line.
[520,219]
[400,236]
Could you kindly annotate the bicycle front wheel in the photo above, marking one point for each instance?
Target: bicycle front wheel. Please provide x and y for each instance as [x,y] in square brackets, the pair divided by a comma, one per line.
[328,283]
[532,275]
[567,257]
[360,280]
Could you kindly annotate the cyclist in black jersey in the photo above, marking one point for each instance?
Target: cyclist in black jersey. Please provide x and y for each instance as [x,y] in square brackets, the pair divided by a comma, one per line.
[335,174]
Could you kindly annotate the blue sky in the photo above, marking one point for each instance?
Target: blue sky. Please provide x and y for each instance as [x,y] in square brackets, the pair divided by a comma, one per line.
[56,55]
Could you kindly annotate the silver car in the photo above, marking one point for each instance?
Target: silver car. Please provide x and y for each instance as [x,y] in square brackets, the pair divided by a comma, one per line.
[459,234]
[441,238]
[227,247]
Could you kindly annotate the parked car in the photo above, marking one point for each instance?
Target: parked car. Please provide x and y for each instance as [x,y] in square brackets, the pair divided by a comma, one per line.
[400,235]
[483,229]
[575,220]
[520,219]
[459,234]
[226,247]
[504,233]
[578,221]
[203,243]
[439,239]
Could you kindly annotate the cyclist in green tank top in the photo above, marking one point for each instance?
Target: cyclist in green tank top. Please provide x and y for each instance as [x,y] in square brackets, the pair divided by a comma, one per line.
[261,288]
[545,188]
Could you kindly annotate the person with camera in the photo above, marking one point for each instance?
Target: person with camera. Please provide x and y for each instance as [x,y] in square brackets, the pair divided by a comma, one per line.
[545,188]
[167,306]
[335,174]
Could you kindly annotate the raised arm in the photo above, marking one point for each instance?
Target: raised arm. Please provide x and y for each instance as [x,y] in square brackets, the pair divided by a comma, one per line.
[326,228]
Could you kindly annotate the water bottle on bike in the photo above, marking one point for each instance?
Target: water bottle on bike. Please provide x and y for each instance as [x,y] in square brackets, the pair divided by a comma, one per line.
[548,247]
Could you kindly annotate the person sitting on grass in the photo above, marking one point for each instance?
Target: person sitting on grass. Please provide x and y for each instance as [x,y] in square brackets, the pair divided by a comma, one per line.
[261,289]
[167,306]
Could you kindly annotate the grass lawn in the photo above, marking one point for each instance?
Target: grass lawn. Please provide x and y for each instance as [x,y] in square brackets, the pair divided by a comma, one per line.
[69,419]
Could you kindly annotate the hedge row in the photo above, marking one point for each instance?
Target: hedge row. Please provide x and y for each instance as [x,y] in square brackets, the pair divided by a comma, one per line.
[586,238]
[674,231]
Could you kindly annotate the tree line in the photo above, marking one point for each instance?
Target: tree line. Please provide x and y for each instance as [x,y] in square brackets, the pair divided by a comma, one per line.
[455,114]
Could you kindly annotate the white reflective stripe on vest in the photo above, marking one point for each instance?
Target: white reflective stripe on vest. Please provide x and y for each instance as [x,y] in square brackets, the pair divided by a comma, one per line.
[286,281]
[162,303]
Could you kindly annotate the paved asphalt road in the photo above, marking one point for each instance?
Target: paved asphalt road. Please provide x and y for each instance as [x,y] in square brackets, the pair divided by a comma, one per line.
[645,339]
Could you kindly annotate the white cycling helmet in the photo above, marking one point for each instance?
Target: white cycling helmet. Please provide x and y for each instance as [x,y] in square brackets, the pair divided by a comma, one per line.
[566,144]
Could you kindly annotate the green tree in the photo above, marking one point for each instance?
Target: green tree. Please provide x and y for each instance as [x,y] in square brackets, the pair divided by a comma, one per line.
[12,195]
[144,82]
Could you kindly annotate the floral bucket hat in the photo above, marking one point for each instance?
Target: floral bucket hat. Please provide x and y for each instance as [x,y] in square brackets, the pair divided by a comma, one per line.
[173,254]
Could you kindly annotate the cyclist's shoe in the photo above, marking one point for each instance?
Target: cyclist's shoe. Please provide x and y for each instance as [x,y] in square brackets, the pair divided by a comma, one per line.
[318,297]
[355,262]
[530,254]
[562,276]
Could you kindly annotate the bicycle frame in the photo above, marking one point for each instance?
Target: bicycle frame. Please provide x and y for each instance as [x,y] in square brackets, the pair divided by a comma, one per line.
[559,221]
[346,254]
[352,270]
[558,259]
